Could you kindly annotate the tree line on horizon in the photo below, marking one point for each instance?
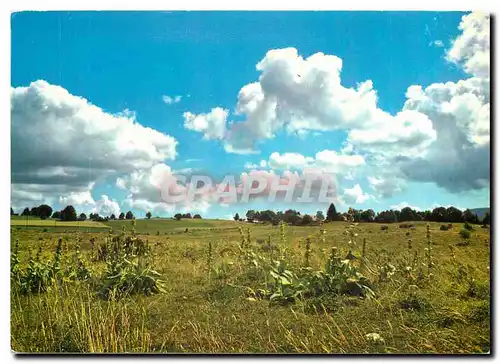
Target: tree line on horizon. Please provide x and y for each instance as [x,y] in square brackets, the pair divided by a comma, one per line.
[69,213]
[438,214]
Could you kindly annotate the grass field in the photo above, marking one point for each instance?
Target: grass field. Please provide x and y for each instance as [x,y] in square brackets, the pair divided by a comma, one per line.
[210,275]
[153,226]
[54,223]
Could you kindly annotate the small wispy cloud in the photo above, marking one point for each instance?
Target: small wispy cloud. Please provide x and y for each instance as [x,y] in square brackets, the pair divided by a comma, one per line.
[184,171]
[171,99]
[404,204]
[437,43]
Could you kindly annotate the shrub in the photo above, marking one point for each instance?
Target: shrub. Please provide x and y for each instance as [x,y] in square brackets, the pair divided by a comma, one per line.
[405,226]
[128,269]
[384,227]
[444,228]
[465,234]
[468,226]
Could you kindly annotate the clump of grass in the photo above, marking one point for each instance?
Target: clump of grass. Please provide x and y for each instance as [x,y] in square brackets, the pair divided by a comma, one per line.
[468,226]
[465,234]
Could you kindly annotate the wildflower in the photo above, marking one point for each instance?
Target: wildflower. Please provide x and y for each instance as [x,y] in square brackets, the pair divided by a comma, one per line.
[375,338]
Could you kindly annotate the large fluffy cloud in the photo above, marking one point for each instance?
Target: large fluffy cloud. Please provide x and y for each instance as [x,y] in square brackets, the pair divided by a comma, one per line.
[441,135]
[301,94]
[472,47]
[459,158]
[62,144]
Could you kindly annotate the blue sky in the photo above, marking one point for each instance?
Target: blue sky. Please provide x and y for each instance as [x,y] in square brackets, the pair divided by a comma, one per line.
[129,60]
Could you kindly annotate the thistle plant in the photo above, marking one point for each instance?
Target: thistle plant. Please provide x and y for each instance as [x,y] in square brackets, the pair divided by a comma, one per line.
[363,254]
[249,238]
[242,238]
[282,247]
[15,262]
[56,266]
[127,272]
[82,272]
[307,255]
[283,233]
[322,235]
[428,250]
[133,227]
[351,234]
[209,260]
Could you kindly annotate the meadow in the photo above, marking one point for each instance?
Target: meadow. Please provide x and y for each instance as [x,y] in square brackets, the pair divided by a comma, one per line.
[215,286]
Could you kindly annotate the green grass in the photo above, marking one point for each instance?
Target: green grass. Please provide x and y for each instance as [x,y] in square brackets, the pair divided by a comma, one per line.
[448,313]
[153,226]
[54,223]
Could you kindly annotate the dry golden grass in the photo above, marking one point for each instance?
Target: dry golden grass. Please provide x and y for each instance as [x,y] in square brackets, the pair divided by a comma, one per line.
[450,314]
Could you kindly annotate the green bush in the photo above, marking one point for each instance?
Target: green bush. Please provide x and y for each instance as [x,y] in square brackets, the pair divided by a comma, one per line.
[468,226]
[465,234]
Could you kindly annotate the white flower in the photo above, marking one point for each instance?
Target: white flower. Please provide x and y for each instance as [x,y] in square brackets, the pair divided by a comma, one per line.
[375,338]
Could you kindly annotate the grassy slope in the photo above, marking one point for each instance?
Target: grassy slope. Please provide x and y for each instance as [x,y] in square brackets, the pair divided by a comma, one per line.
[195,315]
[54,223]
[153,226]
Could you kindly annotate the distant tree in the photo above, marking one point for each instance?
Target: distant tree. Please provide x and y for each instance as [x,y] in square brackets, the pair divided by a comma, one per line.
[354,214]
[148,215]
[236,217]
[11,211]
[470,217]
[56,215]
[83,217]
[129,215]
[407,214]
[34,212]
[368,215]
[426,215]
[186,216]
[453,215]
[487,218]
[320,216]
[307,219]
[439,214]
[112,217]
[26,212]
[292,217]
[178,216]
[267,216]
[387,216]
[68,214]
[197,216]
[122,216]
[44,211]
[250,215]
[331,214]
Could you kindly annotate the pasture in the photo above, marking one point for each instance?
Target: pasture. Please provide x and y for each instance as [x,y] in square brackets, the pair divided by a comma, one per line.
[235,287]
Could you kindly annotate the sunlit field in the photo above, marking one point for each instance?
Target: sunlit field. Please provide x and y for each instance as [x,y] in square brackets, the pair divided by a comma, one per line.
[224,286]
